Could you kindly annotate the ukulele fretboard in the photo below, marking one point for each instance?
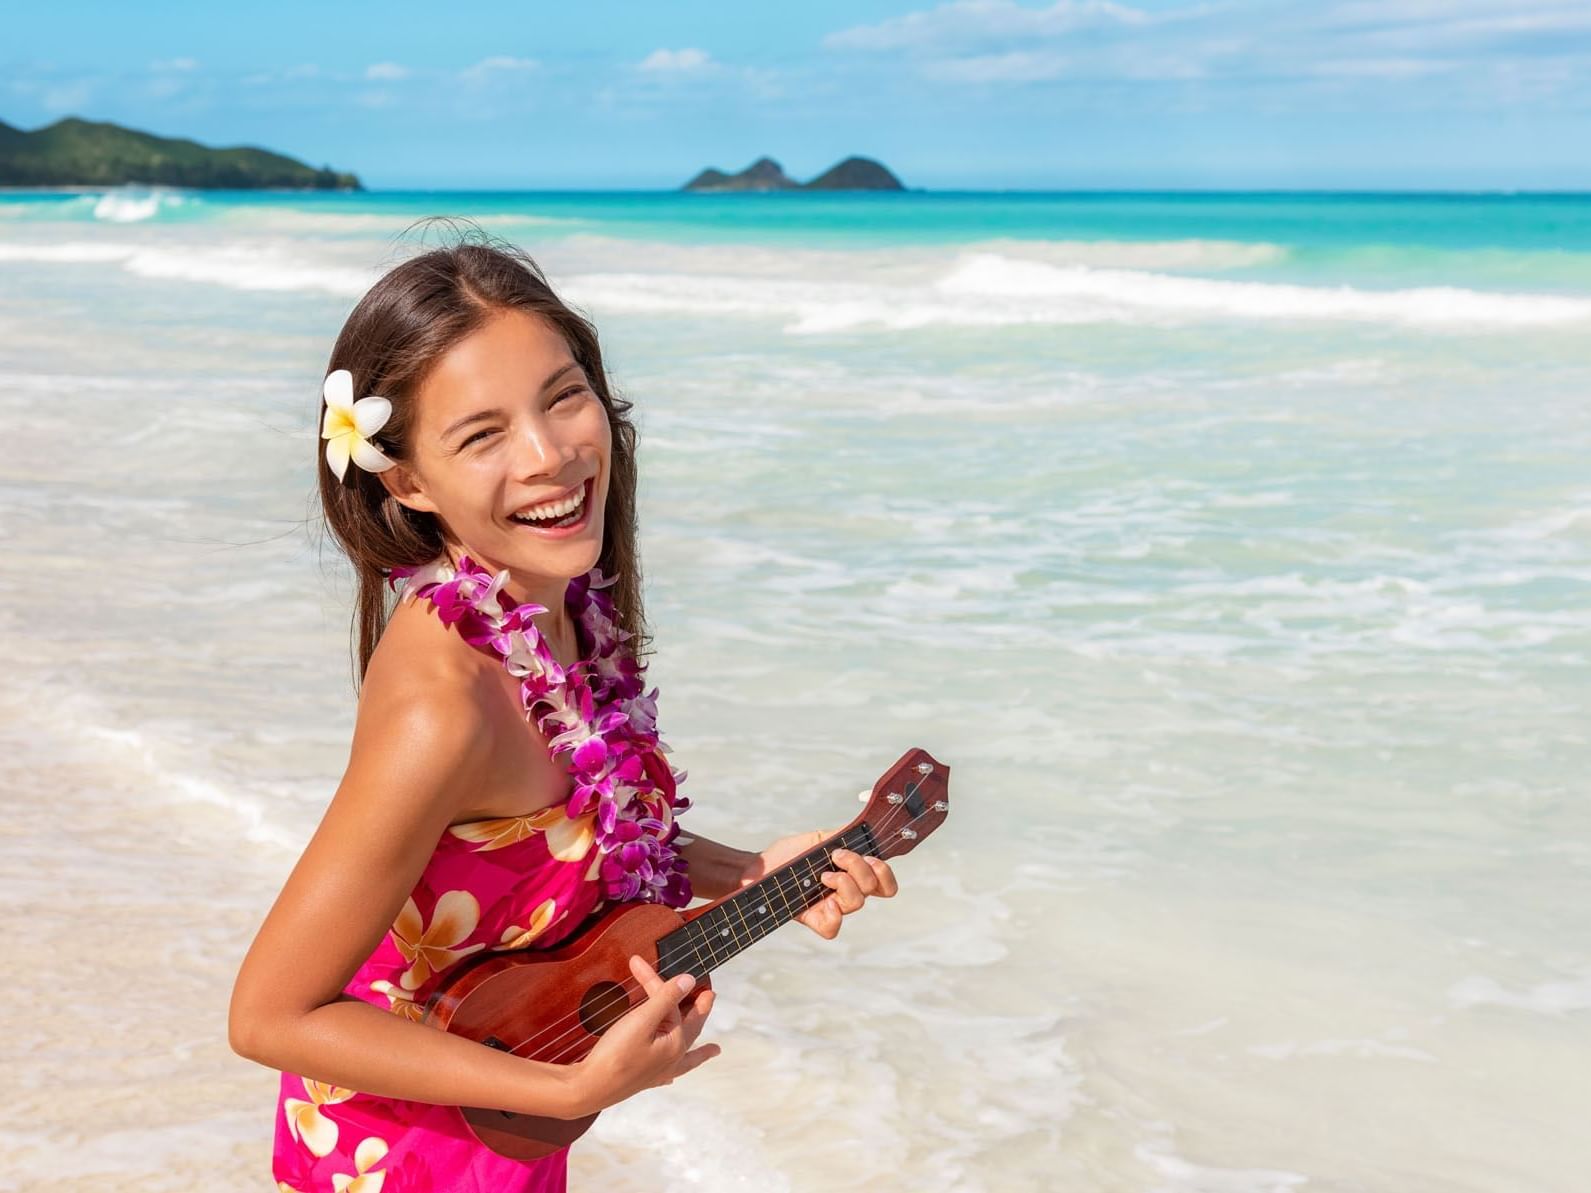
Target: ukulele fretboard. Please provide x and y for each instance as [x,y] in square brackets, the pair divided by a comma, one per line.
[745,917]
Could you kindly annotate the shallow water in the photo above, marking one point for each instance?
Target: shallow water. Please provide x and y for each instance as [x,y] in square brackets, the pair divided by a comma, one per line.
[1234,552]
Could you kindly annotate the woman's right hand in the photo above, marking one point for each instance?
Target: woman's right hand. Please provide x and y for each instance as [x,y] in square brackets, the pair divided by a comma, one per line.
[649,1045]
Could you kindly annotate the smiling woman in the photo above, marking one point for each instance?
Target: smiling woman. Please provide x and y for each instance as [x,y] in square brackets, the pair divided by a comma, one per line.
[506,780]
[476,455]
[483,364]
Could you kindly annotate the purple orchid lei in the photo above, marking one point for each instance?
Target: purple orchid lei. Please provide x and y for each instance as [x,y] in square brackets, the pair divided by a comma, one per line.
[594,712]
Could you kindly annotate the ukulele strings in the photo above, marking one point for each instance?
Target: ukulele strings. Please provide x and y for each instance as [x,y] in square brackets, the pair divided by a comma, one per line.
[622,993]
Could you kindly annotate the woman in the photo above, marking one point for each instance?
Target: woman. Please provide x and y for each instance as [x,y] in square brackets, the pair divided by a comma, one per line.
[497,795]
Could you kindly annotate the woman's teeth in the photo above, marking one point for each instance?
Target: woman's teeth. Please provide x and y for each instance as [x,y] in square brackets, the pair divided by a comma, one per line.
[554,513]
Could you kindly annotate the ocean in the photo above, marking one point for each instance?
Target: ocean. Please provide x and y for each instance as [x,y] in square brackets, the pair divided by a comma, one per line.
[1233,550]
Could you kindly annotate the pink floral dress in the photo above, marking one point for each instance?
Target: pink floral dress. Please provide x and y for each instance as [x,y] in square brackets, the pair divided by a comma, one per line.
[516,882]
[511,883]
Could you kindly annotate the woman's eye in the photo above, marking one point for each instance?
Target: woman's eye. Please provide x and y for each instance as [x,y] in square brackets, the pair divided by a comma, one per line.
[568,393]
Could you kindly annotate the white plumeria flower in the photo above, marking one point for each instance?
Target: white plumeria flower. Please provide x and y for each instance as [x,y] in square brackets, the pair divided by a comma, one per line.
[305,1120]
[370,1152]
[348,425]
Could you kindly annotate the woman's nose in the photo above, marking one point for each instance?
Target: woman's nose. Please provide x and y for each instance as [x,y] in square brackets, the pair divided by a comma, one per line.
[540,451]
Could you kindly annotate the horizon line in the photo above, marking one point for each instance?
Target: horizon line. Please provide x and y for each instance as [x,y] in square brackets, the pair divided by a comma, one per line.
[1357,190]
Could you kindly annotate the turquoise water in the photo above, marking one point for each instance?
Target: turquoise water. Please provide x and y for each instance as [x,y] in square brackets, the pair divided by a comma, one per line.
[1315,221]
[1234,551]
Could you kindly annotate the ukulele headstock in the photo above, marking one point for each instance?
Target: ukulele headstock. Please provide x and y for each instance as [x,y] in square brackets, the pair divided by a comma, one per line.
[910,800]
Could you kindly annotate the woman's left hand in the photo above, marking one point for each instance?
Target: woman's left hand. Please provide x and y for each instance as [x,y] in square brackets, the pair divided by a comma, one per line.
[857,878]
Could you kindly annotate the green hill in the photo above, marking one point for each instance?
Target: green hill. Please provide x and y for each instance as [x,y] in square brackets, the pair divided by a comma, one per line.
[75,152]
[765,174]
[856,174]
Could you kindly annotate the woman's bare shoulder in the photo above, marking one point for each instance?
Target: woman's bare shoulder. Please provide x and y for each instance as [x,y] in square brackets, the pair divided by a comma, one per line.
[424,686]
[417,650]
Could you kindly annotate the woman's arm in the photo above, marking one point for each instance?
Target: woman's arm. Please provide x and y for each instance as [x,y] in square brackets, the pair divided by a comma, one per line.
[414,751]
[715,869]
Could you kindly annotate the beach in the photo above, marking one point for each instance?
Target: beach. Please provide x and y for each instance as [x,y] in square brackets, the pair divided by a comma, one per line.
[1234,551]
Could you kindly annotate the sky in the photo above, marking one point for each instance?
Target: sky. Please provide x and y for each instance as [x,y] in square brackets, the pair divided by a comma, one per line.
[973,94]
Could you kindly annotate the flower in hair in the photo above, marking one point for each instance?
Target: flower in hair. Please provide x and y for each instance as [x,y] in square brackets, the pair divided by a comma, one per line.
[348,425]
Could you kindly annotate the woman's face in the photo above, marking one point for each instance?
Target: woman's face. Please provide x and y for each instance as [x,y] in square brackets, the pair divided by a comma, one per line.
[505,422]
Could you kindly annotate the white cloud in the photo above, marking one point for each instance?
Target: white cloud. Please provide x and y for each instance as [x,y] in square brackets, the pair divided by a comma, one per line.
[1037,66]
[677,61]
[1478,50]
[1383,68]
[497,66]
[965,24]
[504,62]
[175,64]
[1462,18]
[1018,66]
[163,88]
[386,70]
[67,97]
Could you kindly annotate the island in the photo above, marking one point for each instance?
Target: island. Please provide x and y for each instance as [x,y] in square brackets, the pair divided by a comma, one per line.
[76,152]
[765,174]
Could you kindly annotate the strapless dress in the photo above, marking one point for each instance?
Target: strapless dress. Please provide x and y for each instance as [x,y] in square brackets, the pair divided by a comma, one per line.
[519,882]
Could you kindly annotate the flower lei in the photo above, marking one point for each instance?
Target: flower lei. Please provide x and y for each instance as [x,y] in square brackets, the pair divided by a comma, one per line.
[595,714]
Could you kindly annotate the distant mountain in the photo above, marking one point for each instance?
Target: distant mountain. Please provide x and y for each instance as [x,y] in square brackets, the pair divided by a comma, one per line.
[75,152]
[765,174]
[856,174]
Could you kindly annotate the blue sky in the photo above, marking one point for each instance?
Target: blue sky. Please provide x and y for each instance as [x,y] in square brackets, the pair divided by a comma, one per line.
[1439,94]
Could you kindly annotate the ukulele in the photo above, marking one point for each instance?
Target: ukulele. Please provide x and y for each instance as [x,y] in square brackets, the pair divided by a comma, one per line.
[553,1004]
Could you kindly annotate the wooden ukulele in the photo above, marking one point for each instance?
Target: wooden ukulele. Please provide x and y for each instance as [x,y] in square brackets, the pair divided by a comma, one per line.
[552,1004]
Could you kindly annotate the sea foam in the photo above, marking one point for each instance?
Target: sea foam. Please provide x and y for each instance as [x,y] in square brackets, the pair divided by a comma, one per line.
[128,207]
[906,288]
[237,266]
[982,289]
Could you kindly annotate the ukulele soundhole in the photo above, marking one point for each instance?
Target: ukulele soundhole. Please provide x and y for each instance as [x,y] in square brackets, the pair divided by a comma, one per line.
[602,1007]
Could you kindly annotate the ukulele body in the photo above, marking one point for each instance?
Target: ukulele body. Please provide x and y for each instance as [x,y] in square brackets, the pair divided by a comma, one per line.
[550,1005]
[554,1004]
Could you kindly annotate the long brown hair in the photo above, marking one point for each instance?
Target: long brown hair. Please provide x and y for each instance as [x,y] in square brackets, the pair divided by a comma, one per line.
[403,325]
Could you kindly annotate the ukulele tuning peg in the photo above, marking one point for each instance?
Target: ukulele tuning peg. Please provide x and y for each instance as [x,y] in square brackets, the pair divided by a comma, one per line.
[941,806]
[923,768]
[863,796]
